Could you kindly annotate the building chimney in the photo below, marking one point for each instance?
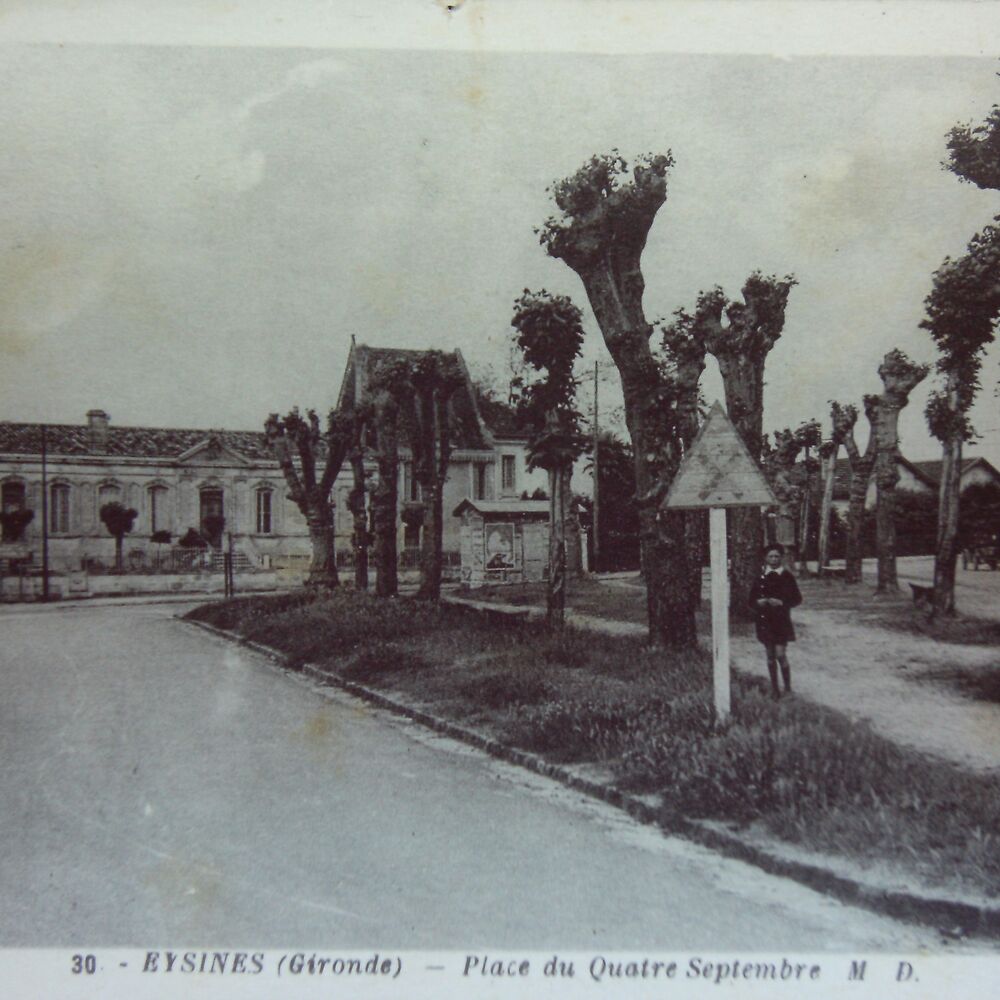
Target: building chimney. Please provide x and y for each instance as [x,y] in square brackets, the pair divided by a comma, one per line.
[97,428]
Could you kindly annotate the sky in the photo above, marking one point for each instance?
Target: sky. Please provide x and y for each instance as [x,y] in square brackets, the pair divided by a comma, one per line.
[190,236]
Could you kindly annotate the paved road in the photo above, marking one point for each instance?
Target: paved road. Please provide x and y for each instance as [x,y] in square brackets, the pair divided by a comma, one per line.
[162,787]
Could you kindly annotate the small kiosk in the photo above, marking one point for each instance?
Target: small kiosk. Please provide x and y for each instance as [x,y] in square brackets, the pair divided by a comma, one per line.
[503,541]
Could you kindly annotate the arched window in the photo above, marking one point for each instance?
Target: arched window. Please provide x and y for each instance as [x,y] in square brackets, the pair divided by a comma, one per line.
[158,509]
[12,501]
[108,493]
[264,521]
[59,508]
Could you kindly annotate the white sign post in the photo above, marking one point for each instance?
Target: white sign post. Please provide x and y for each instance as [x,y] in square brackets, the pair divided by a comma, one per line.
[720,611]
[717,472]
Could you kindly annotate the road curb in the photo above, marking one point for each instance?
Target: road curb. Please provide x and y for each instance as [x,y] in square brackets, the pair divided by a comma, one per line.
[952,915]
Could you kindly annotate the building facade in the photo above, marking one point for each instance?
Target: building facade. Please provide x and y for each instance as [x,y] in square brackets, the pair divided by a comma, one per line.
[222,487]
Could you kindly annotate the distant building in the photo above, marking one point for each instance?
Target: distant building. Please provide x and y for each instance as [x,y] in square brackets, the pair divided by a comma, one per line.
[921,478]
[224,485]
[217,483]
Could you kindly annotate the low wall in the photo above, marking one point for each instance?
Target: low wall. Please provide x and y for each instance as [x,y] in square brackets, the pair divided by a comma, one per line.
[73,585]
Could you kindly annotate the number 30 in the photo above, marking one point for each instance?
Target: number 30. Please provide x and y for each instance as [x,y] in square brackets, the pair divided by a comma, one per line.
[84,963]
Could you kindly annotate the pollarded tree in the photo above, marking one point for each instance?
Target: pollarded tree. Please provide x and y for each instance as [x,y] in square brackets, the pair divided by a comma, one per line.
[962,311]
[118,519]
[389,389]
[357,501]
[861,467]
[301,448]
[435,377]
[550,337]
[900,376]
[683,349]
[809,437]
[842,421]
[605,214]
[740,335]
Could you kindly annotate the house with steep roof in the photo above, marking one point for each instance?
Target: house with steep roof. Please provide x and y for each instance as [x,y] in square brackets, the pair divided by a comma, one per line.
[489,459]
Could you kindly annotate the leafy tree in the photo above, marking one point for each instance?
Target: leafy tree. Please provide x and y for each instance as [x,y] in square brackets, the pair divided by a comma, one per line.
[301,449]
[619,523]
[740,335]
[192,540]
[550,336]
[899,377]
[961,316]
[118,519]
[974,152]
[605,214]
[434,377]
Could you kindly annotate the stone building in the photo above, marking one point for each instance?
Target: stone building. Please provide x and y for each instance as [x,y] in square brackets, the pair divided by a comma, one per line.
[223,485]
[218,483]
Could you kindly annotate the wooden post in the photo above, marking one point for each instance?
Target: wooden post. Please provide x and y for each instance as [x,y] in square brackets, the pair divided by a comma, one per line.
[720,612]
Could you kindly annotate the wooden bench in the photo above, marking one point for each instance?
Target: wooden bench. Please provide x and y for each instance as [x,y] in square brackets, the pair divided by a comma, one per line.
[922,595]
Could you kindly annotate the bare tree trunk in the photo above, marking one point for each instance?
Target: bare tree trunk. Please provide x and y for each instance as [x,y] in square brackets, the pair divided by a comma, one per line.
[825,509]
[574,555]
[804,512]
[855,523]
[743,383]
[886,477]
[385,502]
[861,474]
[431,544]
[899,376]
[323,568]
[696,541]
[556,595]
[946,556]
[119,547]
[357,503]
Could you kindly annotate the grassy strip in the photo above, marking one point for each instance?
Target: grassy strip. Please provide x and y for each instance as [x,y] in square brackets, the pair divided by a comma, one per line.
[801,772]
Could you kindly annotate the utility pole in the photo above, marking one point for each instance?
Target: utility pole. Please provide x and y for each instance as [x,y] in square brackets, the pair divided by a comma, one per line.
[596,504]
[45,519]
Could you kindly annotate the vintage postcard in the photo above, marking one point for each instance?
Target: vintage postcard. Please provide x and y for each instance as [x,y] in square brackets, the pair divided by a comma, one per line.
[499,499]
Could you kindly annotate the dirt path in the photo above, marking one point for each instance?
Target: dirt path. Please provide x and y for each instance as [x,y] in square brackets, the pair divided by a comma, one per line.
[872,675]
[868,673]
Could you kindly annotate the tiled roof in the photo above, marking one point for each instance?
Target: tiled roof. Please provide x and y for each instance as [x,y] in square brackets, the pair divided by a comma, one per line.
[466,433]
[125,442]
[529,508]
[932,469]
[501,418]
[927,471]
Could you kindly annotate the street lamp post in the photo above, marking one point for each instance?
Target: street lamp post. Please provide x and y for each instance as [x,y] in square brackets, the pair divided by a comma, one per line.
[45,518]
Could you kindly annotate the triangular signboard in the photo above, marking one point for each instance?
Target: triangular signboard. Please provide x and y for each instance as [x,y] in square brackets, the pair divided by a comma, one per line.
[717,470]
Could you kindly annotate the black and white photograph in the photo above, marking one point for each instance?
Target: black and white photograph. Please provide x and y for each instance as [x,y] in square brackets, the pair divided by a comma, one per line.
[499,500]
